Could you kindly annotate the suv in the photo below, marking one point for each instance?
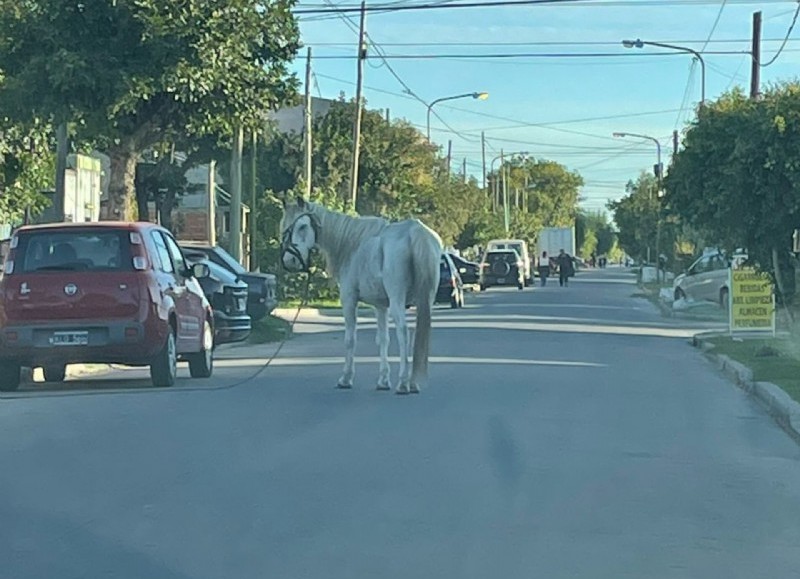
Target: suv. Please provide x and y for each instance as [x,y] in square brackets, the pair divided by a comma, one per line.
[502,267]
[521,247]
[110,292]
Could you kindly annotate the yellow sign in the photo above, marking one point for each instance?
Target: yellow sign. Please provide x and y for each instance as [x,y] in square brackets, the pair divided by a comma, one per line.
[752,301]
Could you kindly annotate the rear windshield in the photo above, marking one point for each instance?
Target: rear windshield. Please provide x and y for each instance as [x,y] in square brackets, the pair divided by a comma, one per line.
[73,251]
[507,256]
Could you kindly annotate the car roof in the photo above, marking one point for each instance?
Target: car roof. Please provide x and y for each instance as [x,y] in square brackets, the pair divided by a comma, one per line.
[99,225]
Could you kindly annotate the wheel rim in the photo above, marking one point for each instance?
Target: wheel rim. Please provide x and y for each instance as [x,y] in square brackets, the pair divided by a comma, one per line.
[208,337]
[173,357]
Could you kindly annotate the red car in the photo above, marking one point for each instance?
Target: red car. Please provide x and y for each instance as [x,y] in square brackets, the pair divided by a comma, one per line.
[109,292]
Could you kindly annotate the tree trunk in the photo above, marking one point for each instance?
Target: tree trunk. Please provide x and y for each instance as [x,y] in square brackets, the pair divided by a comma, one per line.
[776,266]
[167,205]
[122,204]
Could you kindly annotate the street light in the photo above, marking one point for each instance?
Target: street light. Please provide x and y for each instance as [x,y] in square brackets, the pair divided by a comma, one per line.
[482,96]
[506,213]
[658,177]
[639,43]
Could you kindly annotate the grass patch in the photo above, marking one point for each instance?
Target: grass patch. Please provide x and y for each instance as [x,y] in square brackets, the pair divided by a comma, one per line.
[270,329]
[772,360]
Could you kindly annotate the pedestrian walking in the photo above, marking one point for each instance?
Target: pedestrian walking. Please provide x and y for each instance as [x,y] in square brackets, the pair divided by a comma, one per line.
[566,269]
[544,268]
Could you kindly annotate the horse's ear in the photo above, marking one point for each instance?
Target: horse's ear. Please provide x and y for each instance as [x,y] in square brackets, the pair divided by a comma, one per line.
[301,203]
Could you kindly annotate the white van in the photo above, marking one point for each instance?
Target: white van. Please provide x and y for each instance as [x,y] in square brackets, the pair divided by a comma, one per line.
[521,248]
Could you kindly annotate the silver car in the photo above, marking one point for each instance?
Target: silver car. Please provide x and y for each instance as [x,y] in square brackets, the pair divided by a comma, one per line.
[706,279]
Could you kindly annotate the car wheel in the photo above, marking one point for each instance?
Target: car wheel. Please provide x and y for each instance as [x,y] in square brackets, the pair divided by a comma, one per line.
[679,294]
[9,376]
[723,298]
[54,372]
[201,365]
[164,369]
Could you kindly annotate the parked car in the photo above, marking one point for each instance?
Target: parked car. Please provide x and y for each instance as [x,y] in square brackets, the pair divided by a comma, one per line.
[469,271]
[521,247]
[707,278]
[113,292]
[262,287]
[451,287]
[228,297]
[502,267]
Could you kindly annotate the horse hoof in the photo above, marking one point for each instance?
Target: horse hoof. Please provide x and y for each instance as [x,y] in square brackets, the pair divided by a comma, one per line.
[341,386]
[402,390]
[382,387]
[414,389]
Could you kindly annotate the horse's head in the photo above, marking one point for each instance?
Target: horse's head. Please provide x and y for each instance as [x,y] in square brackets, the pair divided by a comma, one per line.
[299,232]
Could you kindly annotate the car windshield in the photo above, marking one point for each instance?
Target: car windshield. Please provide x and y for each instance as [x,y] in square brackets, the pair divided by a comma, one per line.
[74,251]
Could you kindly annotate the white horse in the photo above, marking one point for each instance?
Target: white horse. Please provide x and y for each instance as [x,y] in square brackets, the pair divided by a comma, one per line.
[389,266]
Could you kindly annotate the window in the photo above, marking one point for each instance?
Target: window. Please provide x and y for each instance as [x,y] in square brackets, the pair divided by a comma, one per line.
[175,252]
[74,250]
[163,253]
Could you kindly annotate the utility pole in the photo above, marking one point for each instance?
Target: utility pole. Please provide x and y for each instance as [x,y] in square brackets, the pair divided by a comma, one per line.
[674,142]
[449,157]
[464,170]
[235,242]
[308,150]
[755,65]
[388,118]
[62,148]
[483,157]
[212,205]
[362,54]
[253,202]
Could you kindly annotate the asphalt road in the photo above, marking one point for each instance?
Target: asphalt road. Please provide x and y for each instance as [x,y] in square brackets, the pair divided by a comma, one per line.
[564,433]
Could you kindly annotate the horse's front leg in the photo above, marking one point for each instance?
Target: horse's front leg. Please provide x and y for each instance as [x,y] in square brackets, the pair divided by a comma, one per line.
[350,310]
[399,317]
[382,339]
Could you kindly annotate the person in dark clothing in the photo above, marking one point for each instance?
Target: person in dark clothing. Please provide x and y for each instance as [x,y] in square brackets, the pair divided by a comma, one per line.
[544,268]
[566,268]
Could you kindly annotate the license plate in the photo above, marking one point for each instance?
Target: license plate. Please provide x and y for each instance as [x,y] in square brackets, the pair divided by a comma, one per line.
[69,339]
[501,280]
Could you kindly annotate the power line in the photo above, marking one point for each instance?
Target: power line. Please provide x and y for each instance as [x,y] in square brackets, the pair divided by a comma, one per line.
[546,42]
[394,7]
[786,39]
[506,55]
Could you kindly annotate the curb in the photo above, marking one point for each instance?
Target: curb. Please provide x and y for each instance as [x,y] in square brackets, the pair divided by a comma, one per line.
[783,409]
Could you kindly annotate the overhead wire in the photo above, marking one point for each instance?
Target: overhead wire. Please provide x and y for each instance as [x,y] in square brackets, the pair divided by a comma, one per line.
[785,40]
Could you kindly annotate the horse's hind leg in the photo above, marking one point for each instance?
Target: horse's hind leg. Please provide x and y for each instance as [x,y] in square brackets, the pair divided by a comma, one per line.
[382,339]
[398,311]
[350,310]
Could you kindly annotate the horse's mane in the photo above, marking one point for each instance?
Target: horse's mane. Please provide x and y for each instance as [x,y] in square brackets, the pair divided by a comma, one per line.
[340,234]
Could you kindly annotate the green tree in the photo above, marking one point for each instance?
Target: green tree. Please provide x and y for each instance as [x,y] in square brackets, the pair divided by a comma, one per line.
[133,73]
[636,216]
[27,169]
[737,179]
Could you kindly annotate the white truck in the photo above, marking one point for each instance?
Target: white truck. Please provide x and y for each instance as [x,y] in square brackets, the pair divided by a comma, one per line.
[553,240]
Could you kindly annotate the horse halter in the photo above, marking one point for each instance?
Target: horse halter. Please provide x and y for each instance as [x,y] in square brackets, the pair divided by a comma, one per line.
[288,246]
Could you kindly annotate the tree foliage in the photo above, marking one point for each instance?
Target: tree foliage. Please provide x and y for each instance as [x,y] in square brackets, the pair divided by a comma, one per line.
[595,234]
[137,72]
[737,179]
[27,169]
[636,216]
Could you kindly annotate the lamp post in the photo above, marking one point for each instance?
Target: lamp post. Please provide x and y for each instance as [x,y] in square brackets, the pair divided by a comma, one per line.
[639,43]
[658,172]
[506,213]
[472,95]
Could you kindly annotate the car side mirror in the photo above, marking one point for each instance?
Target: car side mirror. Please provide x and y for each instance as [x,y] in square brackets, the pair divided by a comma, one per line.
[200,270]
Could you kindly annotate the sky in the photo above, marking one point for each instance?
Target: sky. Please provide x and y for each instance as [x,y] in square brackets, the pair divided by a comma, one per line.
[557,107]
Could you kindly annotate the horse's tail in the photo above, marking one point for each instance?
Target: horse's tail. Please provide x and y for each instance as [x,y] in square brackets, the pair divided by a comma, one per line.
[426,252]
